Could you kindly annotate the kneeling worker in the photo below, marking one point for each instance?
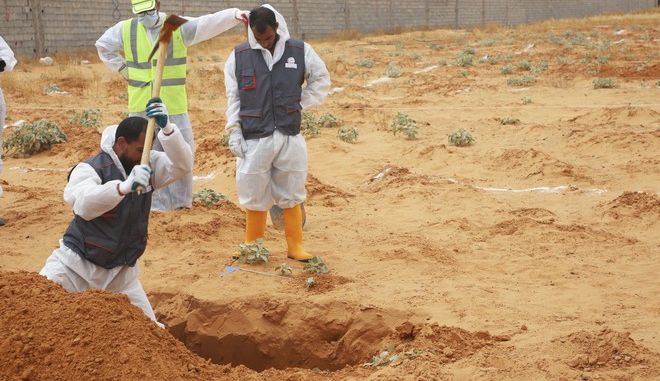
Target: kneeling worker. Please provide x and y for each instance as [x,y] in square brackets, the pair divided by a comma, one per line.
[108,234]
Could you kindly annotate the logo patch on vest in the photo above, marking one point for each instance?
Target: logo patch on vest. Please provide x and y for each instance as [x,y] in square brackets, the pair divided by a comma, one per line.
[291,63]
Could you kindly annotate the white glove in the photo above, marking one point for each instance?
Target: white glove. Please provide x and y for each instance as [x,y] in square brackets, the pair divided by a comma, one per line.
[139,176]
[123,70]
[237,144]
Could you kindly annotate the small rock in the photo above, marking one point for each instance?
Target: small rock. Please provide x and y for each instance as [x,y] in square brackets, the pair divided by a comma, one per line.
[448,352]
[617,358]
[85,62]
[627,358]
[46,61]
[523,327]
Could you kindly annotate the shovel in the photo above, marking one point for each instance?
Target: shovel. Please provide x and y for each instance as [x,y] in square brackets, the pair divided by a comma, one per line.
[172,23]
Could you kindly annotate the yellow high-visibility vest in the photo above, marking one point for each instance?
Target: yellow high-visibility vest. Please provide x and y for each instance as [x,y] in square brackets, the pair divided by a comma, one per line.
[137,47]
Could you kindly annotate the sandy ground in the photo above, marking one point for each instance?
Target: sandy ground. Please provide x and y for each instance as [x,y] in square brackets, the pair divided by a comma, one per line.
[531,254]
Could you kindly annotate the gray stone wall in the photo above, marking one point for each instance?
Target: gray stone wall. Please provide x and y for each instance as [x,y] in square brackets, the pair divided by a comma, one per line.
[44,27]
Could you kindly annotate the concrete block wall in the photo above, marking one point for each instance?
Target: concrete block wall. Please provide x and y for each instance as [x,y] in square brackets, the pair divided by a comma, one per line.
[42,27]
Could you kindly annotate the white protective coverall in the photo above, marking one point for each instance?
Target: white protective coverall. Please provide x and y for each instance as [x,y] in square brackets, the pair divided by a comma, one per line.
[6,55]
[110,48]
[90,199]
[274,169]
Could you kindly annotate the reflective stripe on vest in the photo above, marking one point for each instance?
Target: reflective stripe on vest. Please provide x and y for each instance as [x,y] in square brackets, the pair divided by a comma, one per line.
[137,48]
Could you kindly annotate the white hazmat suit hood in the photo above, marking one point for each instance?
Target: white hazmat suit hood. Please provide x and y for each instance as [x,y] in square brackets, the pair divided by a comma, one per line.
[282,31]
[107,142]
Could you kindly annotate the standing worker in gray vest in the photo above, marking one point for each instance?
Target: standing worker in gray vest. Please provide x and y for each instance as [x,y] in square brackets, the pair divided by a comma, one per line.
[134,38]
[265,99]
[7,63]
[108,234]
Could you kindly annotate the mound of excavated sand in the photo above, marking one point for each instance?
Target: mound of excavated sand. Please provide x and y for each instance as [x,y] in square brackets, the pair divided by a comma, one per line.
[49,334]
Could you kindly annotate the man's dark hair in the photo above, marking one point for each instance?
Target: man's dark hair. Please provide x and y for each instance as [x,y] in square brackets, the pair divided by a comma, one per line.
[261,18]
[131,128]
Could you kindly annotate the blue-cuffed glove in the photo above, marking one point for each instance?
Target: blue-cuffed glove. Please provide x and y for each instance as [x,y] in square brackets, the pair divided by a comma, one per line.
[156,109]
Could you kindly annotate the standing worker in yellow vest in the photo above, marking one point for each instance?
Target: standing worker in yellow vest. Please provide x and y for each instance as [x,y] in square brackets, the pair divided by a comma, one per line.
[125,48]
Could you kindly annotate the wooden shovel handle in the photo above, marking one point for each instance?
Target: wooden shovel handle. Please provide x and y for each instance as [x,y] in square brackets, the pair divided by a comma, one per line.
[155,92]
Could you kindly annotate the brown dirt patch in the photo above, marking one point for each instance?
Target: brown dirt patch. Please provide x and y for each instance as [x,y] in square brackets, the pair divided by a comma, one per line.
[50,334]
[606,349]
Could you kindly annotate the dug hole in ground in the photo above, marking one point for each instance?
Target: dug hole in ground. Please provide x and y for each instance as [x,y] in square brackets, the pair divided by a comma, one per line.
[529,253]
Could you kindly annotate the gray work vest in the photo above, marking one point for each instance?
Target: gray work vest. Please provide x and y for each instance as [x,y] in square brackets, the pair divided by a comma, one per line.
[270,99]
[119,236]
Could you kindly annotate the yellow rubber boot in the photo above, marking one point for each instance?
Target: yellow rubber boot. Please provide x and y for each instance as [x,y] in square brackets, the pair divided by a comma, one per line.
[255,225]
[294,234]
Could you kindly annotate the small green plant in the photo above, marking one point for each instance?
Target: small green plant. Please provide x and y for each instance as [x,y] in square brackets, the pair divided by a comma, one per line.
[460,138]
[555,39]
[436,46]
[524,65]
[604,83]
[465,58]
[506,69]
[564,60]
[310,282]
[348,134]
[316,265]
[31,138]
[328,120]
[208,197]
[657,84]
[309,125]
[540,67]
[383,358]
[603,59]
[526,100]
[488,42]
[90,118]
[404,124]
[416,56]
[525,80]
[509,121]
[368,63]
[284,270]
[469,51]
[392,71]
[253,252]
[53,89]
[502,57]
[579,39]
